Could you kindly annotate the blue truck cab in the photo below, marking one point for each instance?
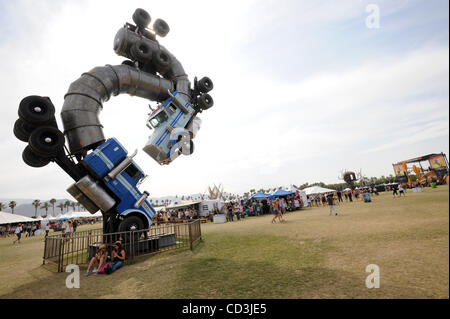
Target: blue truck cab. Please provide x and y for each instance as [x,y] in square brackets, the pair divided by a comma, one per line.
[112,187]
[170,116]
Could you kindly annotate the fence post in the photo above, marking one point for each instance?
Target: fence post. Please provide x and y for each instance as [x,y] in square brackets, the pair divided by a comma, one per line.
[61,254]
[45,250]
[190,235]
[132,246]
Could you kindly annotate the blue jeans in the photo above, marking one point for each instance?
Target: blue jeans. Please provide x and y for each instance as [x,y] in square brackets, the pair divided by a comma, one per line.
[116,265]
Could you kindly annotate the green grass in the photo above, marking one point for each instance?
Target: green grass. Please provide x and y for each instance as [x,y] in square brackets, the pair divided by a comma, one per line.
[312,255]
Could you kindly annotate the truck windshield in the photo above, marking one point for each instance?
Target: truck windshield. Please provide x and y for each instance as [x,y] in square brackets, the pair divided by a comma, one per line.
[133,172]
[159,118]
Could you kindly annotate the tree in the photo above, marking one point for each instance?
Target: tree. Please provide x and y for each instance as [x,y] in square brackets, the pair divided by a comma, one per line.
[73,204]
[11,205]
[46,207]
[67,205]
[36,203]
[2,206]
[52,202]
[61,206]
[78,205]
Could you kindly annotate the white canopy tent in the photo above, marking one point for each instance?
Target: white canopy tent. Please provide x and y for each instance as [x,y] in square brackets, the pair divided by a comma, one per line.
[72,215]
[317,190]
[182,204]
[7,218]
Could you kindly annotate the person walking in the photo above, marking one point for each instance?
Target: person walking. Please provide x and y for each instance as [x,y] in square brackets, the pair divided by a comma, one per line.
[330,202]
[401,191]
[74,225]
[18,233]
[276,210]
[339,194]
[394,191]
[47,229]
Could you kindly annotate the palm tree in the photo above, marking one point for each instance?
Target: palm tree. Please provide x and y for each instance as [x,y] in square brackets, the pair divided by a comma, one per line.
[36,203]
[11,205]
[61,206]
[2,206]
[52,202]
[45,206]
[67,205]
[78,205]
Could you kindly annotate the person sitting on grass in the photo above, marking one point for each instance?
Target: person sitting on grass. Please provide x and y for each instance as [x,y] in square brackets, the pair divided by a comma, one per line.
[98,260]
[117,256]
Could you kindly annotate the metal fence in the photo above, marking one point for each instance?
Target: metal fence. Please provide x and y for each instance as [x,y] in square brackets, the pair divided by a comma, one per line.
[80,247]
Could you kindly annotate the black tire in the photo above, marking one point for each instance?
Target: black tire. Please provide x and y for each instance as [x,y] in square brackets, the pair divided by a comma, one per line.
[32,159]
[161,60]
[127,225]
[161,27]
[205,85]
[22,130]
[129,222]
[191,147]
[141,51]
[141,18]
[205,101]
[46,141]
[36,110]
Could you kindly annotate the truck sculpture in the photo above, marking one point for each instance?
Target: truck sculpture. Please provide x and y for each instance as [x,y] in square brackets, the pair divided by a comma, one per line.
[106,177]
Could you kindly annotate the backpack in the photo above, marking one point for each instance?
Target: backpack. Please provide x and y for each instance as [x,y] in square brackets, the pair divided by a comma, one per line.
[108,269]
[102,270]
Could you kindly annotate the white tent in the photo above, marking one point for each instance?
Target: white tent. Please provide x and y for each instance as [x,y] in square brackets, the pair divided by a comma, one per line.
[347,189]
[7,218]
[317,190]
[182,204]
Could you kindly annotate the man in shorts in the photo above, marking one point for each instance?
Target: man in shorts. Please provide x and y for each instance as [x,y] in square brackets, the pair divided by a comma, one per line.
[394,192]
[18,233]
[401,191]
[330,201]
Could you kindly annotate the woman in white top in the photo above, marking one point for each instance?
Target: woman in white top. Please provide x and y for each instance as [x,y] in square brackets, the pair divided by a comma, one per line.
[18,233]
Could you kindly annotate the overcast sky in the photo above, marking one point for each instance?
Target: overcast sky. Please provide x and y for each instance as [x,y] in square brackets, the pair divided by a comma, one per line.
[302,89]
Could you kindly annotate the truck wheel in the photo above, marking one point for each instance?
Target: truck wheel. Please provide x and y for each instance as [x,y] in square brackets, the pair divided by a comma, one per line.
[141,18]
[161,60]
[205,101]
[131,223]
[46,141]
[36,110]
[205,85]
[141,51]
[33,160]
[191,147]
[161,27]
[22,130]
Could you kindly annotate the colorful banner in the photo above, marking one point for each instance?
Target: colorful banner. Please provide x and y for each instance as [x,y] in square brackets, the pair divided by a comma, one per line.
[399,170]
[416,171]
[437,162]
